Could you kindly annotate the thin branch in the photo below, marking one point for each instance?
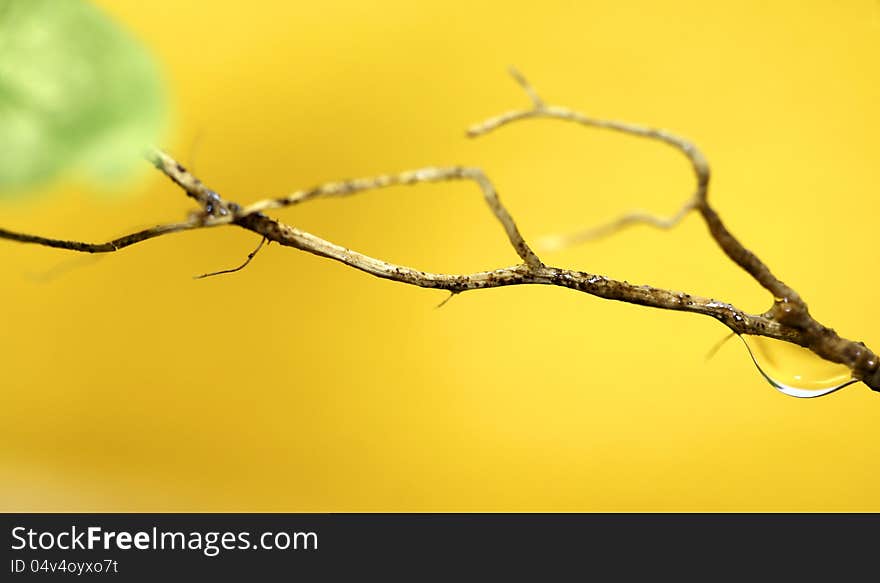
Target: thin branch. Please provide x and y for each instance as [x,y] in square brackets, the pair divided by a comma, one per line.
[729,244]
[110,246]
[247,261]
[537,102]
[557,242]
[787,320]
[430,174]
[717,346]
[446,300]
[788,307]
[211,202]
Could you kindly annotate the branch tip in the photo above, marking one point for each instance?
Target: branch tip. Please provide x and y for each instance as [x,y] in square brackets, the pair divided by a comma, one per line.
[521,80]
[451,295]
[247,261]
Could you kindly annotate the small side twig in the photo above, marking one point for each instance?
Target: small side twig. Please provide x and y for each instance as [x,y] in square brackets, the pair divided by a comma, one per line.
[446,300]
[247,261]
[557,242]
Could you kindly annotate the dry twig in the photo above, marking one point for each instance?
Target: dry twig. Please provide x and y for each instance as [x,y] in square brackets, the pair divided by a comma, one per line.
[247,262]
[788,319]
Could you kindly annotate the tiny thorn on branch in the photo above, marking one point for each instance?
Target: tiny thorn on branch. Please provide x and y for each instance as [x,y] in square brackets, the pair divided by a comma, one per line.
[446,300]
[714,350]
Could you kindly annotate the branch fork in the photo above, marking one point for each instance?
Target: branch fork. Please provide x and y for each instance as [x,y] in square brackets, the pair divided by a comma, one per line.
[788,318]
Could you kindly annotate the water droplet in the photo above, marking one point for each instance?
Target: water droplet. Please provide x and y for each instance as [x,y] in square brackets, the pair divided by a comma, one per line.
[795,371]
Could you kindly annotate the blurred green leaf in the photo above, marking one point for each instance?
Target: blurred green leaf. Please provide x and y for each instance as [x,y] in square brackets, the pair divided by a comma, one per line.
[77,92]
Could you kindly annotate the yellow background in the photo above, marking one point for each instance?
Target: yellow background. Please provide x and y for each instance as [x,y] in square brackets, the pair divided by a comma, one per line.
[302,385]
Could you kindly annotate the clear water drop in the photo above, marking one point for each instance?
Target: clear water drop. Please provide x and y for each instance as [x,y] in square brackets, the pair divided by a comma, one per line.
[795,371]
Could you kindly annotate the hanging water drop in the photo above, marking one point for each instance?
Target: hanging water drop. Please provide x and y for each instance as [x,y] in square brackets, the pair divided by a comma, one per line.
[794,370]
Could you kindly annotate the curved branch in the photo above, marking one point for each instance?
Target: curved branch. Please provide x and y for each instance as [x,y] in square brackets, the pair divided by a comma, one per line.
[728,243]
[788,306]
[787,320]
[110,246]
[430,174]
[555,242]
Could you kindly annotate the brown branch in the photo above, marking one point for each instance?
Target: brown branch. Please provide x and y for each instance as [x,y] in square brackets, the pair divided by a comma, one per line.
[411,177]
[788,319]
[210,201]
[110,246]
[247,262]
[556,242]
